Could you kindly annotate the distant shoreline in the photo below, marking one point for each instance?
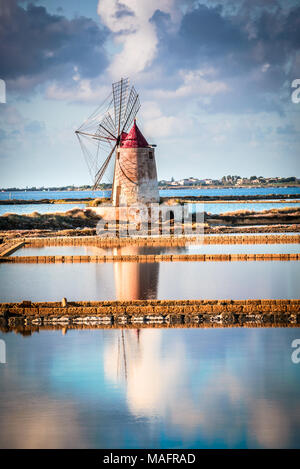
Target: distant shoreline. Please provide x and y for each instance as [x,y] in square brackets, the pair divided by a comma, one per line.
[254,198]
[241,186]
[178,187]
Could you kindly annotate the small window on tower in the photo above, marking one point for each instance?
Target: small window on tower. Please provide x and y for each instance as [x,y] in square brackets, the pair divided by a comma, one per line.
[151,155]
[118,155]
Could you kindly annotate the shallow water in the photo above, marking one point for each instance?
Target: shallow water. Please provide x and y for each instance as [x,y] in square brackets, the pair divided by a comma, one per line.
[27,195]
[207,207]
[38,195]
[257,207]
[40,208]
[230,191]
[165,280]
[146,250]
[154,388]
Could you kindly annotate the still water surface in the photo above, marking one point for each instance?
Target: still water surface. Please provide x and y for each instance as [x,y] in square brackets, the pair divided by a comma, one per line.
[257,207]
[146,250]
[164,280]
[154,388]
[37,195]
[40,208]
[207,207]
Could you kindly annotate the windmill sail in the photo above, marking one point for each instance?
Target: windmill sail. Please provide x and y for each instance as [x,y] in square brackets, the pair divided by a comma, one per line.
[120,91]
[101,133]
[132,108]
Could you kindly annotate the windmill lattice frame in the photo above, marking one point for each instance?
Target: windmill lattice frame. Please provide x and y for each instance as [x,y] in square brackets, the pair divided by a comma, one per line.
[106,126]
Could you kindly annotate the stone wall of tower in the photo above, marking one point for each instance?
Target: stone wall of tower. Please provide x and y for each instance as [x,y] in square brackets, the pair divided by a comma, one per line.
[135,179]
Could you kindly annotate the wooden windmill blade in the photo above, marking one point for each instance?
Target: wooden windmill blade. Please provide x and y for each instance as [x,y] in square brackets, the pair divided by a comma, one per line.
[92,121]
[105,127]
[103,168]
[97,136]
[132,108]
[120,93]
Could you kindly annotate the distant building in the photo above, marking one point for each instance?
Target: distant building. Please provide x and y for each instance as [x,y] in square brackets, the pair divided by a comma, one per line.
[185,182]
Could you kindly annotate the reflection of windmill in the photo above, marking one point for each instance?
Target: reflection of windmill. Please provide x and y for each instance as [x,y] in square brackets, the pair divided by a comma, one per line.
[107,126]
[122,356]
[127,352]
[133,169]
[135,280]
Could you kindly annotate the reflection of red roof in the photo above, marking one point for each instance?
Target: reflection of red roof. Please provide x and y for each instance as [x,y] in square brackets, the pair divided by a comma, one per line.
[134,138]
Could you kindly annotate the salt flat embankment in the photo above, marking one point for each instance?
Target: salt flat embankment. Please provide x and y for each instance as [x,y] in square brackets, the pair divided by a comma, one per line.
[78,218]
[271,313]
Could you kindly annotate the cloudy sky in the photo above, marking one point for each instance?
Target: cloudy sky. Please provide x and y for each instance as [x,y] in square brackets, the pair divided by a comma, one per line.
[214,79]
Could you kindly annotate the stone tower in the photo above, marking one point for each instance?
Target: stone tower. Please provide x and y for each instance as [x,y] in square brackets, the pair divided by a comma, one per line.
[135,175]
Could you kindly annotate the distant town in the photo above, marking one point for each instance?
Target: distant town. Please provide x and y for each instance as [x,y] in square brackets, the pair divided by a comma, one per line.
[230,181]
[225,181]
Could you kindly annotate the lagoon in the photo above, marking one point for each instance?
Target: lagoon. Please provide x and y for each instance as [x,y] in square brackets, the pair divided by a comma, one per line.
[40,208]
[230,191]
[154,388]
[214,208]
[164,280]
[148,250]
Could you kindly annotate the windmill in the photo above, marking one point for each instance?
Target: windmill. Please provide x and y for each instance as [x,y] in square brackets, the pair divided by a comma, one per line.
[106,128]
[120,150]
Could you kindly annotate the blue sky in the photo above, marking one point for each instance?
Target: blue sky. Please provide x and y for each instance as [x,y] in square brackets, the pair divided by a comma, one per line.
[214,79]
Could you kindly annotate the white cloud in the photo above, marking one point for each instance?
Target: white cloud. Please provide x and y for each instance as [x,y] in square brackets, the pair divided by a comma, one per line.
[156,124]
[265,67]
[76,76]
[150,110]
[84,91]
[195,82]
[130,21]
[163,126]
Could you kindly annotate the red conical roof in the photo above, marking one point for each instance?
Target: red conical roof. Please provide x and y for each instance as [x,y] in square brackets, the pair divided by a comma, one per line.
[135,138]
[123,136]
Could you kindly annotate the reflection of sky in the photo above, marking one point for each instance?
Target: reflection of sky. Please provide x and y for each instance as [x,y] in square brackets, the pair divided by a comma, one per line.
[37,195]
[188,249]
[207,207]
[176,280]
[257,207]
[180,388]
[230,191]
[40,208]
